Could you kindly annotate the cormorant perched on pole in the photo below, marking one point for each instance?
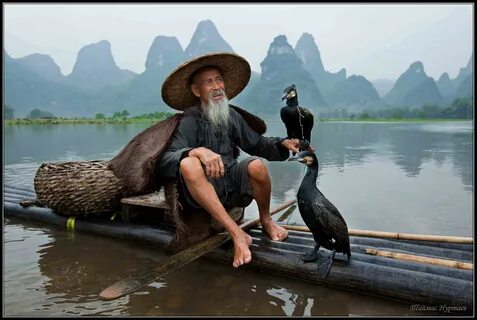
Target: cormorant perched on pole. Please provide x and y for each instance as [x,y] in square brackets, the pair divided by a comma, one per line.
[298,120]
[325,222]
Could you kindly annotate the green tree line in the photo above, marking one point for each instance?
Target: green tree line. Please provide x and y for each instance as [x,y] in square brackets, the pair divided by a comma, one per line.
[461,108]
[9,114]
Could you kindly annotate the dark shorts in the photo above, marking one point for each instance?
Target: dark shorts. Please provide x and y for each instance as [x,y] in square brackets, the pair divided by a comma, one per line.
[233,189]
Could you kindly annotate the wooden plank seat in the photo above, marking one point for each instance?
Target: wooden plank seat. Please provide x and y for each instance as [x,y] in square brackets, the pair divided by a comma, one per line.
[157,200]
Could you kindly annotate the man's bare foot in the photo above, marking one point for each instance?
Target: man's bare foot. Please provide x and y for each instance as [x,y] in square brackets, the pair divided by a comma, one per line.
[242,251]
[274,231]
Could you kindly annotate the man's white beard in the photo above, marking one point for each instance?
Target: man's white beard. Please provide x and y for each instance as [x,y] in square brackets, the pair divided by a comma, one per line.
[217,112]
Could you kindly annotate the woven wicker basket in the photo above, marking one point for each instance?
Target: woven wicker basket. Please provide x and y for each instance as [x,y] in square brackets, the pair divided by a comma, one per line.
[79,187]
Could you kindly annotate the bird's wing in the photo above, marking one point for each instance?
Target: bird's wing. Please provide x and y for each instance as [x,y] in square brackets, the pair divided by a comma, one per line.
[331,220]
[287,119]
[305,111]
[283,115]
[308,122]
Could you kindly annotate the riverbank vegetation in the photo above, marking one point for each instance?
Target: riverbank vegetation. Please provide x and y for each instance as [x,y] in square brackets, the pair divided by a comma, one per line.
[460,109]
[119,117]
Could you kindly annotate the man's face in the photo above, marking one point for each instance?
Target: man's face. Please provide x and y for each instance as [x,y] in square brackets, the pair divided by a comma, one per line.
[208,84]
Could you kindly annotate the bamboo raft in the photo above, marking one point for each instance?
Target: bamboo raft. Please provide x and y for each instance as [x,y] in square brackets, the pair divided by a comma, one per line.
[442,274]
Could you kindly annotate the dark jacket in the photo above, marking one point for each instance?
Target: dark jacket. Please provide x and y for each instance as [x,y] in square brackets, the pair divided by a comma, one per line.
[137,163]
[194,131]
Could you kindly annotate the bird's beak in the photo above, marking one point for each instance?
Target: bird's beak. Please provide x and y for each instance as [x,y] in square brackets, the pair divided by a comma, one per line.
[284,96]
[296,158]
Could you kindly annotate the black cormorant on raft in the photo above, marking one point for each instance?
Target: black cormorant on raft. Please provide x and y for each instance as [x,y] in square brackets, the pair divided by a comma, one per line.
[325,222]
[297,120]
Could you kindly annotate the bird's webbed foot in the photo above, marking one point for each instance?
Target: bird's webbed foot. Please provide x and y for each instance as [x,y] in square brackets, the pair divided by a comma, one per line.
[328,266]
[312,255]
[348,260]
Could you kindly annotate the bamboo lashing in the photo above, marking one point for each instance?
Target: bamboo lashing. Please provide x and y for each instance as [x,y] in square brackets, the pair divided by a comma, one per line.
[421,259]
[395,235]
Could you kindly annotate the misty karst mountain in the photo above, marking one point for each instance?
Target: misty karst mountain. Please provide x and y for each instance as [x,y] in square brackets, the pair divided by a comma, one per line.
[98,85]
[307,50]
[43,65]
[26,90]
[414,88]
[96,69]
[458,86]
[465,88]
[463,81]
[446,86]
[354,93]
[143,93]
[281,68]
[206,39]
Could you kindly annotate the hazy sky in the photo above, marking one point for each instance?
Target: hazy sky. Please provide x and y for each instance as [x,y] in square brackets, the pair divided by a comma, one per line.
[377,41]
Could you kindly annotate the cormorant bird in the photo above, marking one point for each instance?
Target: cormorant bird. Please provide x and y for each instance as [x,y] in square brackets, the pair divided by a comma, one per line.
[325,222]
[297,120]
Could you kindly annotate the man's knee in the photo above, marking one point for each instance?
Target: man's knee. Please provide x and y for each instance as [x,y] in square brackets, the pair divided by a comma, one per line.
[257,169]
[191,168]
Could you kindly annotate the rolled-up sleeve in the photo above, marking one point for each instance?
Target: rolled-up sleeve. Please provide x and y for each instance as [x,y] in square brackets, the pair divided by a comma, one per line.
[251,142]
[182,142]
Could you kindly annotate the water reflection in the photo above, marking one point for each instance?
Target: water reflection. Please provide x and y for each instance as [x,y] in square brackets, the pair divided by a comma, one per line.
[363,167]
[50,272]
[415,144]
[67,142]
[338,144]
[77,269]
[414,178]
[72,269]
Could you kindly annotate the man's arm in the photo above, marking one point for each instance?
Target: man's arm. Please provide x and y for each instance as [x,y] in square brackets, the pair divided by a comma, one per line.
[270,148]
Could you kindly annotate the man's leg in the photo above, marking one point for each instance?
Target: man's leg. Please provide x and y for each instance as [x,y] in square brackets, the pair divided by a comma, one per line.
[204,194]
[262,189]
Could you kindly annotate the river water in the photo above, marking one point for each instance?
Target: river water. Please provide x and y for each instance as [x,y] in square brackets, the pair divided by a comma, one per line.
[402,177]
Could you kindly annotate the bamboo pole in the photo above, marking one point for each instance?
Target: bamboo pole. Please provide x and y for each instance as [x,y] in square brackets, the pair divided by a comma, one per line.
[395,235]
[421,259]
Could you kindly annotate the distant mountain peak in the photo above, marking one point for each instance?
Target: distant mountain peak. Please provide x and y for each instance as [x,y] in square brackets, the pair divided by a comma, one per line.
[95,68]
[207,25]
[308,41]
[444,77]
[206,39]
[414,87]
[164,52]
[280,68]
[465,71]
[280,45]
[308,52]
[416,67]
[471,62]
[445,85]
[94,56]
[43,65]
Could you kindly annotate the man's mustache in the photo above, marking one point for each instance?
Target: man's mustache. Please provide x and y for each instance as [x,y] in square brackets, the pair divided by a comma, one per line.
[217,92]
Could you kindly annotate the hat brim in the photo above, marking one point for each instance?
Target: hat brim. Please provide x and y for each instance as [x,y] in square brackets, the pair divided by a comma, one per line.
[234,69]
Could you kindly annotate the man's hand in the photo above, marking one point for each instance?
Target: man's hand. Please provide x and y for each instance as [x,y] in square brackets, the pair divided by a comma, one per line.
[214,167]
[292,144]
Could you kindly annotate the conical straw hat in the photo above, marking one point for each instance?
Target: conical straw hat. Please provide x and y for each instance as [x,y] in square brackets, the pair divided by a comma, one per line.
[235,71]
